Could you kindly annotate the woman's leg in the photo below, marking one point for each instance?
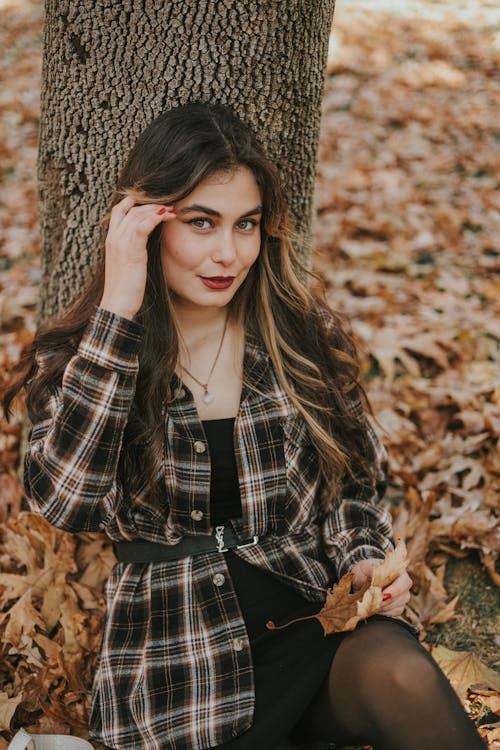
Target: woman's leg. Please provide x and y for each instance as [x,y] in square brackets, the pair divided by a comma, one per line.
[384,689]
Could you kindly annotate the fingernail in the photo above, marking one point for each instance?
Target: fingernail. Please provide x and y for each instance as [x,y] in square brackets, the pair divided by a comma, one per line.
[386,597]
[161,211]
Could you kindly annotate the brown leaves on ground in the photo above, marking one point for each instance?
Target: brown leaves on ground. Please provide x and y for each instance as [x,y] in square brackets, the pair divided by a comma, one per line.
[344,608]
[477,686]
[407,246]
[52,611]
[465,671]
[483,703]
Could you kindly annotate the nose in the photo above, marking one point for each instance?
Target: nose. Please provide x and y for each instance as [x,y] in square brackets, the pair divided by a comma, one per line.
[225,251]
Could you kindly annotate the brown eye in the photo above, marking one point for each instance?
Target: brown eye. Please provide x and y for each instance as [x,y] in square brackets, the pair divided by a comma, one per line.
[199,222]
[250,224]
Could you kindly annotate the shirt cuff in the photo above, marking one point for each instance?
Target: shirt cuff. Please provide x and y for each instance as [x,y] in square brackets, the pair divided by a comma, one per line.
[112,341]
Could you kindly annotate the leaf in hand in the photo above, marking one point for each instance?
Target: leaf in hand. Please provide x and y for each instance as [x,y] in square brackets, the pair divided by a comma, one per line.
[342,609]
[392,567]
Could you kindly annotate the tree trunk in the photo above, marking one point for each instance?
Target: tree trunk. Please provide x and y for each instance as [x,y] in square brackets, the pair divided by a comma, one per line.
[111,66]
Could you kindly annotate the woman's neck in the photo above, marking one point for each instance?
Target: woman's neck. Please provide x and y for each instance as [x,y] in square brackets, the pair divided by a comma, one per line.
[198,323]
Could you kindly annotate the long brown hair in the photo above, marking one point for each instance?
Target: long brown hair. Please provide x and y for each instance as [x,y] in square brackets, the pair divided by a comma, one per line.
[318,371]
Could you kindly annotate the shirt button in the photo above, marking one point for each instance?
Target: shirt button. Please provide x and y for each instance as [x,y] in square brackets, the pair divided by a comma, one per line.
[218,579]
[199,447]
[196,515]
[238,644]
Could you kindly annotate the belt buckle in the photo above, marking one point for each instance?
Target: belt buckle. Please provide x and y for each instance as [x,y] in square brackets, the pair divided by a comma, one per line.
[254,541]
[219,539]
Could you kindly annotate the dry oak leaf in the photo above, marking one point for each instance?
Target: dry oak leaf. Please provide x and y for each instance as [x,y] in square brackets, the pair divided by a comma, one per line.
[464,669]
[429,605]
[48,556]
[7,709]
[95,559]
[26,647]
[342,609]
[22,618]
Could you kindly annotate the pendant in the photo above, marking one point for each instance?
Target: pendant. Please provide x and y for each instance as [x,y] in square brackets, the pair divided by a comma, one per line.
[207,397]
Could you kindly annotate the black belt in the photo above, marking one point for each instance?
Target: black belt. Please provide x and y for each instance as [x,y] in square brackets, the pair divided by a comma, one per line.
[222,540]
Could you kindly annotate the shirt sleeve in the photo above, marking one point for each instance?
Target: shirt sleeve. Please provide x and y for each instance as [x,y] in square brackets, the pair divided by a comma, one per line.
[359,527]
[70,465]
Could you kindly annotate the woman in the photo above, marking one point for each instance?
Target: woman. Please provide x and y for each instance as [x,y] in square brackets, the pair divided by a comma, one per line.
[201,406]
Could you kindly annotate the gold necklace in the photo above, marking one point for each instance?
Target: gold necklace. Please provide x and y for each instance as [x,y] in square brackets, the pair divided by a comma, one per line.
[208,397]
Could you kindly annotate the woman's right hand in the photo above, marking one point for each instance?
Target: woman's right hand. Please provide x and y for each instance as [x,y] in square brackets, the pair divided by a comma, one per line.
[126,254]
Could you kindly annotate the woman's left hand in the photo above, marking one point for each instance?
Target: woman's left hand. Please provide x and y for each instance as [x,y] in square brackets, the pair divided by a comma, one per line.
[396,595]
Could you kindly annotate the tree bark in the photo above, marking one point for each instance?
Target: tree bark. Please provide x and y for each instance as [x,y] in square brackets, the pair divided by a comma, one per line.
[111,66]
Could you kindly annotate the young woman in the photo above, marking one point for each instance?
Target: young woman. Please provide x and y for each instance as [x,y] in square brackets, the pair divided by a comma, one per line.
[201,406]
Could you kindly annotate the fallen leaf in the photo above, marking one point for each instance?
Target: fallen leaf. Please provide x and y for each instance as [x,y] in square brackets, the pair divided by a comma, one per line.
[488,697]
[491,733]
[464,669]
[8,708]
[429,604]
[446,613]
[489,561]
[11,493]
[21,619]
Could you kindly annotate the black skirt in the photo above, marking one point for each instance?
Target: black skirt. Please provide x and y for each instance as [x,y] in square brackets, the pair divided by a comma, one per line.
[290,665]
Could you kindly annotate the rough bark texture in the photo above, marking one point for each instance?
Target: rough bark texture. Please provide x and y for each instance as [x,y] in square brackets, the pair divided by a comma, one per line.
[111,66]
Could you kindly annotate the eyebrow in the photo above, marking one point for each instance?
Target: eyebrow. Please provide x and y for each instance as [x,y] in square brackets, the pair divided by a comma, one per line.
[211,212]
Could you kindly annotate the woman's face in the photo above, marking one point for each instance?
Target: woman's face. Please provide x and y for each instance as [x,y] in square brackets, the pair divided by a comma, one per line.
[208,250]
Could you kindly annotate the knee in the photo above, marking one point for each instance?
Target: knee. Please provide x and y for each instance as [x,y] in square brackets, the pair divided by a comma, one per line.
[384,665]
[407,677]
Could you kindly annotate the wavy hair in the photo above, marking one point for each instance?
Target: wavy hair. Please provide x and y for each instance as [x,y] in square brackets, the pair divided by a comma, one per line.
[319,371]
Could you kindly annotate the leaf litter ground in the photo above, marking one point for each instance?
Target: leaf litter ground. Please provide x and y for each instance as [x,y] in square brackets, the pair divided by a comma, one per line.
[407,245]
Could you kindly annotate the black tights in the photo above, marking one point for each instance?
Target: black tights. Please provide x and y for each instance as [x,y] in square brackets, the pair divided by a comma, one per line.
[384,689]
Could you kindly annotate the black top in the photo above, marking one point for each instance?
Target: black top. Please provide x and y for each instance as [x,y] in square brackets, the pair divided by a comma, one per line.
[225,499]
[261,595]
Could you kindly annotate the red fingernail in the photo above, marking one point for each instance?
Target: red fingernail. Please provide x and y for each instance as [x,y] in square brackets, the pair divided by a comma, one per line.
[386,597]
[161,211]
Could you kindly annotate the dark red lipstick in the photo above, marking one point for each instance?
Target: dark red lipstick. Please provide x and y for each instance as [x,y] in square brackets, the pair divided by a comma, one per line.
[217,282]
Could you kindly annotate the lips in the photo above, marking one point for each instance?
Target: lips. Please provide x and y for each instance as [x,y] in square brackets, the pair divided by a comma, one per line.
[217,282]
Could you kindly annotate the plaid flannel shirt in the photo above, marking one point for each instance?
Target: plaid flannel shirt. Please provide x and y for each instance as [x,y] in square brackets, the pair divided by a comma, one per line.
[175,667]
